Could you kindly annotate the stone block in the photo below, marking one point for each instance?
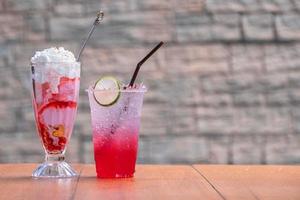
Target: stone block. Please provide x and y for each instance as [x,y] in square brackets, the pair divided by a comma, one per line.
[258,27]
[6,56]
[247,150]
[242,82]
[69,10]
[251,120]
[278,6]
[295,115]
[218,149]
[83,122]
[110,7]
[174,90]
[183,120]
[206,112]
[215,126]
[28,120]
[297,5]
[36,21]
[196,59]
[293,79]
[158,5]
[186,149]
[7,116]
[120,60]
[19,5]
[86,147]
[8,152]
[154,120]
[247,58]
[278,98]
[269,6]
[196,52]
[247,98]
[96,63]
[283,149]
[143,34]
[11,85]
[119,31]
[188,6]
[35,27]
[143,151]
[26,147]
[215,84]
[158,17]
[12,28]
[227,6]
[288,26]
[24,115]
[294,96]
[73,152]
[259,120]
[223,27]
[227,19]
[2,5]
[225,33]
[226,27]
[273,59]
[272,81]
[193,33]
[279,120]
[215,51]
[193,18]
[252,6]
[215,100]
[62,28]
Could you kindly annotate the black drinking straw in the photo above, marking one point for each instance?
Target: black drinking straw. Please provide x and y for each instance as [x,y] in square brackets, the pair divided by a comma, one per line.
[138,66]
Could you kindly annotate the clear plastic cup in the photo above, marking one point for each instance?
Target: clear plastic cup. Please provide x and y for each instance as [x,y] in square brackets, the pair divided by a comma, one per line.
[115,133]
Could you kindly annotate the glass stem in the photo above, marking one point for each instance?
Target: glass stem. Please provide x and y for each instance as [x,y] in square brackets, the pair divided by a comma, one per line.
[55,157]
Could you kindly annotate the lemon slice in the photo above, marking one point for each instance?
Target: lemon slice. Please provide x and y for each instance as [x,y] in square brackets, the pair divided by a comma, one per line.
[107,91]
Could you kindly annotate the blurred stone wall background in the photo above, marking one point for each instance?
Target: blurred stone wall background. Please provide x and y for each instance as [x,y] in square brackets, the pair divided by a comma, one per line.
[225,88]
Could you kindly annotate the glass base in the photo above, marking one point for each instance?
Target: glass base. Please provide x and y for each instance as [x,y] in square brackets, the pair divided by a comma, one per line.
[54,167]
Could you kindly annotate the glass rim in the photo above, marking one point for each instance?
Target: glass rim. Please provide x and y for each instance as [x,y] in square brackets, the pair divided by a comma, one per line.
[43,62]
[142,90]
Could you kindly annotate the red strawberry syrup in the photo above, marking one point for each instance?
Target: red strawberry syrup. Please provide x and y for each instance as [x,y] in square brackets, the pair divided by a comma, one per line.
[55,112]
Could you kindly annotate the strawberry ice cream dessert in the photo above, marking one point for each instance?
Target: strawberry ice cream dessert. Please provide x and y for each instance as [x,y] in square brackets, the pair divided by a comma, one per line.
[55,79]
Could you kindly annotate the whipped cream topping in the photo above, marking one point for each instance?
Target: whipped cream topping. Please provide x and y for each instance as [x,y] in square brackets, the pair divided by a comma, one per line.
[53,54]
[52,64]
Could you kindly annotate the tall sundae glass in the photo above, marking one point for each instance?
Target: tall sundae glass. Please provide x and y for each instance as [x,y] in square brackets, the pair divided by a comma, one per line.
[55,81]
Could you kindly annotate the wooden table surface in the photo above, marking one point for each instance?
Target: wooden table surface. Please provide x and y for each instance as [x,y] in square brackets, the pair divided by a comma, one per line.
[157,182]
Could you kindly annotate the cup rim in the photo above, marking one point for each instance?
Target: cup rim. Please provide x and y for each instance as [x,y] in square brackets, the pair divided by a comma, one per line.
[56,62]
[141,90]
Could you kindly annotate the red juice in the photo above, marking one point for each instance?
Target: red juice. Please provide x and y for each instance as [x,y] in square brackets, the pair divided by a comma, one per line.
[115,156]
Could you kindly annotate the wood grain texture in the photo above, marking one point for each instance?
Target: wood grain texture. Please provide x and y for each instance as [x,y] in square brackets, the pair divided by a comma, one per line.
[150,182]
[16,183]
[253,182]
[157,182]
